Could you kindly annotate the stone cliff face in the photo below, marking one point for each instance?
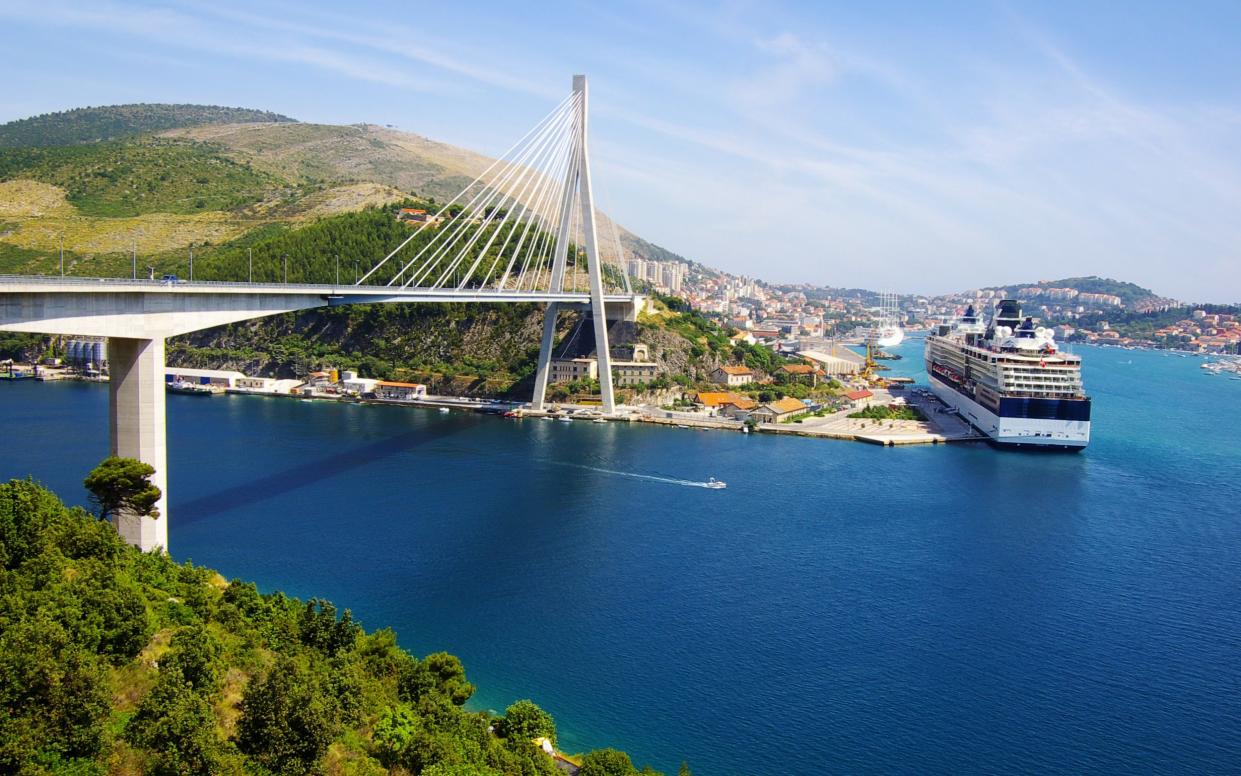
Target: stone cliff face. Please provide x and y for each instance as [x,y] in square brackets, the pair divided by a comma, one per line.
[676,353]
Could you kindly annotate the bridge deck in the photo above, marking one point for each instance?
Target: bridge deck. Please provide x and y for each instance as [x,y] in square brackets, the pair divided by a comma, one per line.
[338,294]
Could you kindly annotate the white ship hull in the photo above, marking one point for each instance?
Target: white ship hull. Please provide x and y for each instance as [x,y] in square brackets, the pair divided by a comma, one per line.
[1044,433]
[890,337]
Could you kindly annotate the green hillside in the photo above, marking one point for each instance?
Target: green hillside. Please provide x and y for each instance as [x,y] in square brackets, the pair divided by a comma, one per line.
[133,177]
[116,661]
[89,125]
[1131,294]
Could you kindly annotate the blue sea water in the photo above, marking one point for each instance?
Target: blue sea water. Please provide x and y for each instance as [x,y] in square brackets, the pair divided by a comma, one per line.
[840,608]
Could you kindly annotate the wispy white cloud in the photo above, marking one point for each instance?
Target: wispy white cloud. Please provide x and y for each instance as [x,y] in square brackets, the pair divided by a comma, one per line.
[794,65]
[391,38]
[168,26]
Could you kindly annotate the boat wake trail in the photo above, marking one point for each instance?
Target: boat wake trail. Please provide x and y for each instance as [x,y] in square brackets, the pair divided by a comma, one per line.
[637,476]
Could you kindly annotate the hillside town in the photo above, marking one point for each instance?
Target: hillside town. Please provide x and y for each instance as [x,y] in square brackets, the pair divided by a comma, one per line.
[791,318]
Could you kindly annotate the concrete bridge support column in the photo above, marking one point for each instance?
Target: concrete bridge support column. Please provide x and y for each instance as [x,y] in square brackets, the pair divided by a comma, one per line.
[136,403]
[545,356]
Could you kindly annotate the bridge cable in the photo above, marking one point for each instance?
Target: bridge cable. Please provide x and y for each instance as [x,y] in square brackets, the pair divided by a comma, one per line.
[537,127]
[551,195]
[487,194]
[494,204]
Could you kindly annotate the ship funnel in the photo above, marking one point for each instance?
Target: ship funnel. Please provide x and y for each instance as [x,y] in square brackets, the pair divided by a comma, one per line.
[1008,313]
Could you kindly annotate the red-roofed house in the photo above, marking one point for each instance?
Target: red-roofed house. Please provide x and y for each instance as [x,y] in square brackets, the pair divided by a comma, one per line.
[860,398]
[732,375]
[728,404]
[415,214]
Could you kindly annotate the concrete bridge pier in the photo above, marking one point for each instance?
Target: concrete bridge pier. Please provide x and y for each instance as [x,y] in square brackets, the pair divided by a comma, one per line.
[136,411]
[545,355]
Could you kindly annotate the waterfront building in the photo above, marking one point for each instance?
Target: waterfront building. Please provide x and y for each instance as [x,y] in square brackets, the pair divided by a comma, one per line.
[725,403]
[631,365]
[88,354]
[630,373]
[567,370]
[393,391]
[255,384]
[624,372]
[219,378]
[841,361]
[779,410]
[268,385]
[352,384]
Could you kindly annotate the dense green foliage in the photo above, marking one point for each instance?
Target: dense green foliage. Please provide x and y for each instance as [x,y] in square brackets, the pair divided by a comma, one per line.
[888,412]
[132,177]
[610,762]
[19,345]
[524,719]
[309,254]
[123,484]
[343,248]
[88,125]
[112,660]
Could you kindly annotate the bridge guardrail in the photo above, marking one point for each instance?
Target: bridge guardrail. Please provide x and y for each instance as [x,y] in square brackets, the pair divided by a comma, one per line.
[317,288]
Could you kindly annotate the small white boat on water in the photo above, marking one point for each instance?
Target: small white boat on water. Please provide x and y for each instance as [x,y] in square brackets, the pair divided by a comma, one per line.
[444,410]
[565,419]
[715,484]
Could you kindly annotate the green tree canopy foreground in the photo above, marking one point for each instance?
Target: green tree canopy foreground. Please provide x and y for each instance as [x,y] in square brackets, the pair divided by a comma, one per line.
[123,484]
[525,720]
[118,661]
[610,762]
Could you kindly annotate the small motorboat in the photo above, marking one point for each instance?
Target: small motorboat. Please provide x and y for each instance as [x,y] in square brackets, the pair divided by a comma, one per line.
[598,420]
[715,484]
[565,419]
[444,410]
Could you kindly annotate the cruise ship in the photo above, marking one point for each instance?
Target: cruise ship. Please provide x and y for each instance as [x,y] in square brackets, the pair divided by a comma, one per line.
[1009,380]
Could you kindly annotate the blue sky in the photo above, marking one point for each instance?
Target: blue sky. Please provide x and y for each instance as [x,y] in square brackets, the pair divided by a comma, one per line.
[907,146]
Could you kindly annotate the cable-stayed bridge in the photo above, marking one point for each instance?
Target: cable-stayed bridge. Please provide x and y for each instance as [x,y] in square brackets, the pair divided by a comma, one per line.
[525,231]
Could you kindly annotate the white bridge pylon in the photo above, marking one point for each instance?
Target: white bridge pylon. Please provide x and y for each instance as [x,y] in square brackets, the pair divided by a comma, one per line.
[516,227]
